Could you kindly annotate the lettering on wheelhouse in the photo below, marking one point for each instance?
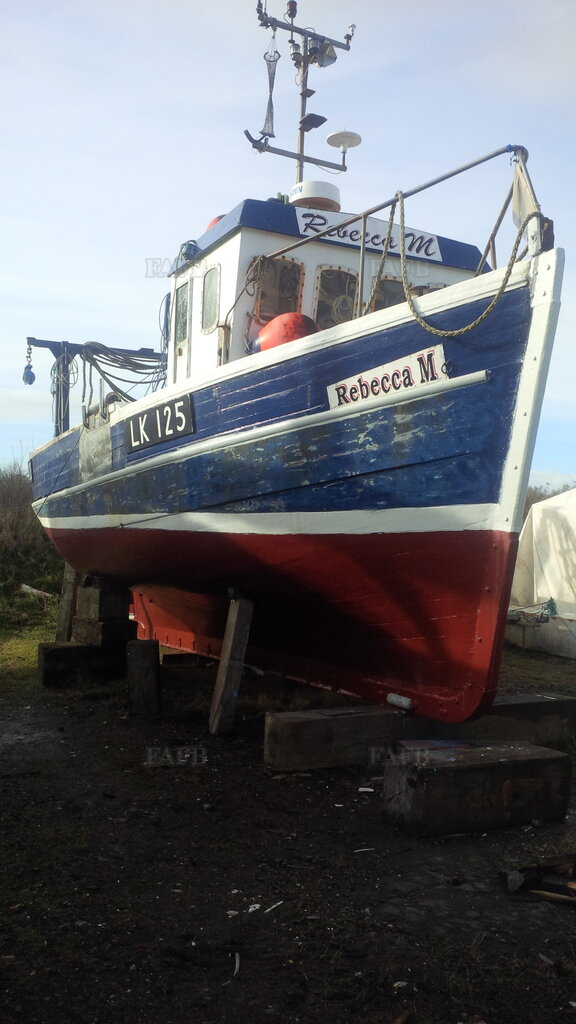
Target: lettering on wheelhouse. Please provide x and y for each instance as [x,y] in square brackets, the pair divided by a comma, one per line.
[160,423]
[418,243]
[404,375]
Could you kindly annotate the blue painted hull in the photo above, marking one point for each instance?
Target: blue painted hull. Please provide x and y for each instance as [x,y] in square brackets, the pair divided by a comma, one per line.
[325,466]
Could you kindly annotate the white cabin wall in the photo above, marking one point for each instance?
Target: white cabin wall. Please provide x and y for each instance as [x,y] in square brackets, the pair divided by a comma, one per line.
[204,350]
[200,355]
[254,243]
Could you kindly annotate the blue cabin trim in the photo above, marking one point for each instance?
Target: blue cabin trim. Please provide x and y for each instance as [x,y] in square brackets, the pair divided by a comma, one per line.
[282,219]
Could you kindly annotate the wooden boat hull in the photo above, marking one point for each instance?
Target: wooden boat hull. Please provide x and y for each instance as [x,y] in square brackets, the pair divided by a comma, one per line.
[364,487]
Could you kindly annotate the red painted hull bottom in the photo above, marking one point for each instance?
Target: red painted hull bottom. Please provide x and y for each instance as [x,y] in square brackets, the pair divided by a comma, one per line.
[420,614]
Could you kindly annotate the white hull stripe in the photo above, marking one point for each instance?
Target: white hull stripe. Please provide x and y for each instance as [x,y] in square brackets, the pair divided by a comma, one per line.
[405,520]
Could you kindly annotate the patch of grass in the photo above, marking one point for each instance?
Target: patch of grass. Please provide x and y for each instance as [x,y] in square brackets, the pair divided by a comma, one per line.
[526,671]
[24,623]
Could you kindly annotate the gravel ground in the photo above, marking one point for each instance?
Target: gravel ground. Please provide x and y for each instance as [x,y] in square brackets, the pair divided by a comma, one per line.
[138,889]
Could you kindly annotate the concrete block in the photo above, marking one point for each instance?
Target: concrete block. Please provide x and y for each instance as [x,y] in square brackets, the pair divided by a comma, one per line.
[556,636]
[432,789]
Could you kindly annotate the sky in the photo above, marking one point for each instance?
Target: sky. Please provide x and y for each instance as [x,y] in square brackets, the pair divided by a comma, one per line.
[123,137]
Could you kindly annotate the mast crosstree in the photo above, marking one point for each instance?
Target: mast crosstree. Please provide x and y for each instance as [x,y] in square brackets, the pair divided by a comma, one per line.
[312,48]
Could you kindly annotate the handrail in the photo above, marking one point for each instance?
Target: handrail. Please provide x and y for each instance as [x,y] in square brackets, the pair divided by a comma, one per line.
[521,154]
[490,246]
[517,150]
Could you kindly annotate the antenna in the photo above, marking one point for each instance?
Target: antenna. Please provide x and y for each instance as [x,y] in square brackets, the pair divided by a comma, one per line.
[344,140]
[312,48]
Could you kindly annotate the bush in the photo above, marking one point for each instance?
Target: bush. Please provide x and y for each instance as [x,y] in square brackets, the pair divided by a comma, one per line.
[540,493]
[26,554]
[24,611]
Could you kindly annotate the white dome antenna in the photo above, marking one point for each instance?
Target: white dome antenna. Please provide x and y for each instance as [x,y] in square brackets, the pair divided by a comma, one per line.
[344,140]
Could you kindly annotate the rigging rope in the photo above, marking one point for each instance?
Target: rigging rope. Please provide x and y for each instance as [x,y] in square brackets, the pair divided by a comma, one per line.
[492,305]
[106,360]
[369,307]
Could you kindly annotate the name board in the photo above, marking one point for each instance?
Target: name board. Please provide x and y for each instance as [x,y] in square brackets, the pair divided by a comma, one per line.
[418,243]
[160,423]
[405,375]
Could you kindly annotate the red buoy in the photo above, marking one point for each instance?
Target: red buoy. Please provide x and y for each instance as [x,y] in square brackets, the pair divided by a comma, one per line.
[213,222]
[283,328]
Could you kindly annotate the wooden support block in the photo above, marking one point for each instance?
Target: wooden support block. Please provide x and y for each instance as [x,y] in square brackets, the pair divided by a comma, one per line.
[325,738]
[433,789]
[143,667]
[103,602]
[106,633]
[72,664]
[101,664]
[544,719]
[67,604]
[231,666]
[58,664]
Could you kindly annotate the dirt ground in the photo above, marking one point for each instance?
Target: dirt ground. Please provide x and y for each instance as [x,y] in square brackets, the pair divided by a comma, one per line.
[141,890]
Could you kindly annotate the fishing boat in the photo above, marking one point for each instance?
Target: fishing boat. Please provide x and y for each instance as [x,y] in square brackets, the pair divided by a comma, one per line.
[339,426]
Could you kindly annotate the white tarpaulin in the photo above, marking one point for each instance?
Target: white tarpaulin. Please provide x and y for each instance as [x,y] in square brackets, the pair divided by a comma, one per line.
[546,564]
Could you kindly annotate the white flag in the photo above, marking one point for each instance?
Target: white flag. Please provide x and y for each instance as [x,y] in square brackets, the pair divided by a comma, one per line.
[523,198]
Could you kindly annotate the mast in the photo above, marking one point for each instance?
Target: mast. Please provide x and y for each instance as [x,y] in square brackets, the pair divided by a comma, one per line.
[313,48]
[304,93]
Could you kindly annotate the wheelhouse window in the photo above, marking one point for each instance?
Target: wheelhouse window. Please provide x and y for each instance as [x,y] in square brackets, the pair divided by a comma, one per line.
[388,293]
[336,296]
[210,299]
[424,289]
[181,314]
[279,288]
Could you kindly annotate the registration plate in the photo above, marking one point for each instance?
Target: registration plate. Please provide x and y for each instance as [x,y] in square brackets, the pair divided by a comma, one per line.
[163,422]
